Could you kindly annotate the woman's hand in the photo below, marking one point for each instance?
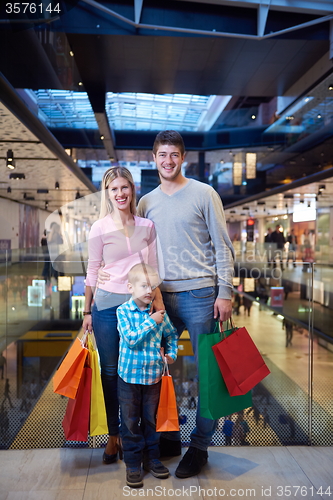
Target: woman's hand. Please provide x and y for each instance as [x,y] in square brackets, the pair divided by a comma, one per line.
[87,323]
[102,275]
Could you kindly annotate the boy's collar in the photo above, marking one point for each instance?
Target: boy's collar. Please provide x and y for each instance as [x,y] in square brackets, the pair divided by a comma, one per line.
[134,305]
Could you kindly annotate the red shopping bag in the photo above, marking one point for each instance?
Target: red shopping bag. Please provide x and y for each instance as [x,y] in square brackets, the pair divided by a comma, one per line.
[167,413]
[67,378]
[76,419]
[240,362]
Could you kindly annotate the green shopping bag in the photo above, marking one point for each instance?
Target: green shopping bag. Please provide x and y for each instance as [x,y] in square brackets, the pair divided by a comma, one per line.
[215,400]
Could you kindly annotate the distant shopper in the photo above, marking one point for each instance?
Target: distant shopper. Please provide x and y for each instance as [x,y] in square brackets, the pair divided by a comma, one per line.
[279,239]
[288,325]
[292,240]
[268,246]
[3,362]
[7,394]
[247,303]
[227,429]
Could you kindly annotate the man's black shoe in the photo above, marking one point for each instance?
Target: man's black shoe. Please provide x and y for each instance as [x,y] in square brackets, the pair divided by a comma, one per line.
[170,448]
[191,463]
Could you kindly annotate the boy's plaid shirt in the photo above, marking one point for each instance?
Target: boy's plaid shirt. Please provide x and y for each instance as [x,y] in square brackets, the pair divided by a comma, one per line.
[140,361]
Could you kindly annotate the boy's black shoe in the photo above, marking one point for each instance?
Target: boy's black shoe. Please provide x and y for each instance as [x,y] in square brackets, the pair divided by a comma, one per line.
[191,463]
[156,468]
[170,448]
[134,477]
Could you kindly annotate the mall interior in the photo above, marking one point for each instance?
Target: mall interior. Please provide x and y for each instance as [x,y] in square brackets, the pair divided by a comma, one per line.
[85,85]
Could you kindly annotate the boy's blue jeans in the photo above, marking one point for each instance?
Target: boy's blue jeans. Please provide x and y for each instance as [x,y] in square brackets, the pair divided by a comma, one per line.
[193,310]
[138,404]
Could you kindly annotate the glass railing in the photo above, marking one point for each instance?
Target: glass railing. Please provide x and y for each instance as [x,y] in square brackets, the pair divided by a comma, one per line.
[287,312]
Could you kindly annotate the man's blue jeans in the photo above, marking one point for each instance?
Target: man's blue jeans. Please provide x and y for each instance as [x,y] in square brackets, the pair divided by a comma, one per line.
[138,404]
[193,310]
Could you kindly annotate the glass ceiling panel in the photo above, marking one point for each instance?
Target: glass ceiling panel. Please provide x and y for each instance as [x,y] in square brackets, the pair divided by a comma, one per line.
[65,109]
[156,111]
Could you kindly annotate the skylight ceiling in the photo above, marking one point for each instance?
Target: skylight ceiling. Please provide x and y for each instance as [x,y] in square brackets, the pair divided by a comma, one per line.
[183,112]
[65,109]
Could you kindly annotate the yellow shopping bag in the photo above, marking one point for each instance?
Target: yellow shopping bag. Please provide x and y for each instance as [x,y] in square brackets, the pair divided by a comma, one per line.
[98,423]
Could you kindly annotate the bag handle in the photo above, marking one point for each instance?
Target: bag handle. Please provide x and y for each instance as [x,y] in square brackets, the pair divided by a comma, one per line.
[221,329]
[165,367]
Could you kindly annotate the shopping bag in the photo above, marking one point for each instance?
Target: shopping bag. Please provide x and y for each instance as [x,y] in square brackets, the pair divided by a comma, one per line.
[240,362]
[76,419]
[214,398]
[98,422]
[67,378]
[167,413]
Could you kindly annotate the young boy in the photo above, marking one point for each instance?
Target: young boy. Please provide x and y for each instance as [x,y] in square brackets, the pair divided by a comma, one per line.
[140,369]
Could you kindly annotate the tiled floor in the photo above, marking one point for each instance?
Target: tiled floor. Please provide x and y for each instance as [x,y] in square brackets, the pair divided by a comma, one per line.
[73,474]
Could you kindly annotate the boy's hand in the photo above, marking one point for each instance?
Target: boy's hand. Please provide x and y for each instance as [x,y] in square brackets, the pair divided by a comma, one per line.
[166,357]
[158,316]
[169,359]
[102,275]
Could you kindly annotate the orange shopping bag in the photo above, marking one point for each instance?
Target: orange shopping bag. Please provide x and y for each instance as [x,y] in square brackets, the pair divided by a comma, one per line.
[67,378]
[167,413]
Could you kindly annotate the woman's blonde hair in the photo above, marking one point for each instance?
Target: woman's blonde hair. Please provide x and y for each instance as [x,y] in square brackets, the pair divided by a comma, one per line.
[110,175]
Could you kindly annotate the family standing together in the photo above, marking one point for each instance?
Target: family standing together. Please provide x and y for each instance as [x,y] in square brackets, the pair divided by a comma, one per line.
[179,233]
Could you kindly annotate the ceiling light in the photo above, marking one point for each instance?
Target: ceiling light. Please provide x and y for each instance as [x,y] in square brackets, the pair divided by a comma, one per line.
[71,53]
[16,176]
[80,84]
[330,87]
[321,187]
[57,186]
[319,116]
[253,117]
[10,163]
[102,137]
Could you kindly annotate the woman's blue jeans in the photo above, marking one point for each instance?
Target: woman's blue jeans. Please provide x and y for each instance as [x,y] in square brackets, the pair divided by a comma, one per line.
[104,322]
[138,405]
[193,310]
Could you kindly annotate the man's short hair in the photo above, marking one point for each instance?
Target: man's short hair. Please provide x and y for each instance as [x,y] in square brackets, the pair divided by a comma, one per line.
[138,270]
[169,137]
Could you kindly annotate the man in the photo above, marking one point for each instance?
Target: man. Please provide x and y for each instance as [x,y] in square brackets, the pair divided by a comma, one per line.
[198,263]
[279,240]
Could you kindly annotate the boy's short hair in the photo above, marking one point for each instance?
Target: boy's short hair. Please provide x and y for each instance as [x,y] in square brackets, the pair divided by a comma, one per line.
[136,271]
[169,137]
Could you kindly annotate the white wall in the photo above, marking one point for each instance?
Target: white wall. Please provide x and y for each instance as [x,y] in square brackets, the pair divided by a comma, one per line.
[9,221]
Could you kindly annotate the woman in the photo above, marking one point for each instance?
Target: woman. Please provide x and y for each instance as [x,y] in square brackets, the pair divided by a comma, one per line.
[120,239]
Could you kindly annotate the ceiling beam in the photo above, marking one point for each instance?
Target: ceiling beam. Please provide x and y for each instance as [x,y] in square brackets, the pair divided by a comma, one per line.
[263,9]
[209,33]
[319,7]
[137,10]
